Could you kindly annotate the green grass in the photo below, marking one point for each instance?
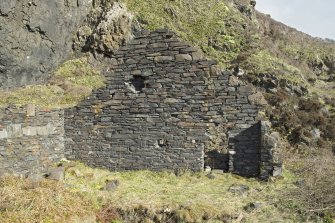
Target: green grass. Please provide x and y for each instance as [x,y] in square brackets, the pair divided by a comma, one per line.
[71,83]
[212,25]
[189,196]
[81,195]
[79,72]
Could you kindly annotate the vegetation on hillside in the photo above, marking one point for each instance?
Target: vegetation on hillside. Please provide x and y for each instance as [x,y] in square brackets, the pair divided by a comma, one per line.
[72,82]
[275,57]
[295,72]
[211,25]
[144,196]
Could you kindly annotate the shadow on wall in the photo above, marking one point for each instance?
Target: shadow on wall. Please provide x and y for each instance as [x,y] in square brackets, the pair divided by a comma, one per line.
[216,160]
[245,150]
[244,153]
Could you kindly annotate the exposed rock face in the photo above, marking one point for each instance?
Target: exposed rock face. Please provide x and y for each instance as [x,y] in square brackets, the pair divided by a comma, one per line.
[106,28]
[35,36]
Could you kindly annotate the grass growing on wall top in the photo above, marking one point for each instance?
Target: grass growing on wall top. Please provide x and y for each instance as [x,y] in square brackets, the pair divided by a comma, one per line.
[72,82]
[210,25]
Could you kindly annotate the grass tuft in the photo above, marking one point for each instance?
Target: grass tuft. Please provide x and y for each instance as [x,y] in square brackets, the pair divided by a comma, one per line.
[46,201]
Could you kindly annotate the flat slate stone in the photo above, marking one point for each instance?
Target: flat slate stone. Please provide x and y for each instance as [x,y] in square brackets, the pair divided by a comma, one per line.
[183,57]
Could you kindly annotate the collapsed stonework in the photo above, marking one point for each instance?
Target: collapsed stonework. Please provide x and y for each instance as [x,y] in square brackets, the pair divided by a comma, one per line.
[164,107]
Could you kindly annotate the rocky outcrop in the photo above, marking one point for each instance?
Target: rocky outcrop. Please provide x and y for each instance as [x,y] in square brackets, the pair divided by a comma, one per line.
[105,29]
[271,83]
[35,37]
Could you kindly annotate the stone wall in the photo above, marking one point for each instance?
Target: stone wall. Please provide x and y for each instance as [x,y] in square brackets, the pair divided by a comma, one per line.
[271,162]
[163,108]
[30,139]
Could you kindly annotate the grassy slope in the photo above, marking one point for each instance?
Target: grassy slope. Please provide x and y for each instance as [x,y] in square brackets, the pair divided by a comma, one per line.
[191,196]
[234,34]
[71,83]
[210,25]
[309,56]
[228,32]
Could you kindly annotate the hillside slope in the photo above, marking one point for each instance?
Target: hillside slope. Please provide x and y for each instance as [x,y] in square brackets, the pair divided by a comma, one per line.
[293,69]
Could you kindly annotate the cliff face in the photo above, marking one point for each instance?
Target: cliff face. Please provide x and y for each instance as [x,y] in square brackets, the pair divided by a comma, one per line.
[290,68]
[35,36]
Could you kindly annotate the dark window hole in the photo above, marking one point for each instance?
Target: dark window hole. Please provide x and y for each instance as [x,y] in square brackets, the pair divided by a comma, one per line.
[138,83]
[168,36]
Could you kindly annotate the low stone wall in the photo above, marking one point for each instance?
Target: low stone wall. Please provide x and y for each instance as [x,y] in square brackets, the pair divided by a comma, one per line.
[164,107]
[30,139]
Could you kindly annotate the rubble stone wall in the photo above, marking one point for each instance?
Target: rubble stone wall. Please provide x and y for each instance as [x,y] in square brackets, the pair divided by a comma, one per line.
[31,139]
[160,110]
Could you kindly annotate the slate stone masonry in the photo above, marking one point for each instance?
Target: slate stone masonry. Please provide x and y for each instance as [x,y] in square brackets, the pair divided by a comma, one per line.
[159,108]
[31,139]
[164,107]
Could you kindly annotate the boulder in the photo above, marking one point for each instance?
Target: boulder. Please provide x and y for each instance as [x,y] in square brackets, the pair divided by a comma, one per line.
[210,176]
[257,99]
[34,177]
[253,3]
[252,206]
[56,174]
[239,189]
[208,169]
[105,29]
[111,185]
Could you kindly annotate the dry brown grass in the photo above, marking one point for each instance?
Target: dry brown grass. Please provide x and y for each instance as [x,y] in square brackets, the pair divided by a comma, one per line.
[46,201]
[315,194]
[145,196]
[186,198]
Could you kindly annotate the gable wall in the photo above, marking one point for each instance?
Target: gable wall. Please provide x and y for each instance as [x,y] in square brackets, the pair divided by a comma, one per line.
[164,107]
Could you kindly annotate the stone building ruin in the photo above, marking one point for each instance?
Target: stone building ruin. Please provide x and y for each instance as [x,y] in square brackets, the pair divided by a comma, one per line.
[163,107]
